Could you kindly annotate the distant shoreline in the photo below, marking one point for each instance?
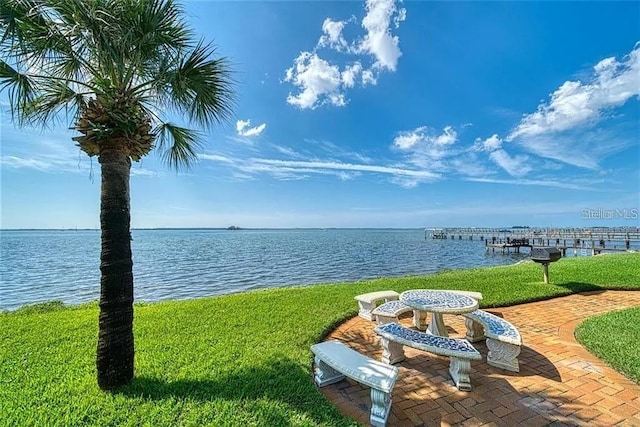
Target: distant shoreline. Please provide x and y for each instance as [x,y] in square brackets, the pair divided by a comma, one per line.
[518,228]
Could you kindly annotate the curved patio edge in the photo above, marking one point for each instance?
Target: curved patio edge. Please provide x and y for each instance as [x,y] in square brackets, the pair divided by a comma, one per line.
[559,381]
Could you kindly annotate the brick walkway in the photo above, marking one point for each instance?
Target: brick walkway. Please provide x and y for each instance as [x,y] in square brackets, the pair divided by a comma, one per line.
[559,382]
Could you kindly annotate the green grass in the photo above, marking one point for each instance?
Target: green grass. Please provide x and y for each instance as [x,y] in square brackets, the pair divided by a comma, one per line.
[240,359]
[604,336]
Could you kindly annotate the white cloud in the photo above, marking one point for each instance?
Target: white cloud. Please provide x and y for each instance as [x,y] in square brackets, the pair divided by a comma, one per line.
[515,166]
[469,164]
[379,41]
[333,150]
[584,149]
[350,74]
[447,138]
[368,78]
[426,149]
[216,158]
[405,182]
[302,169]
[337,99]
[347,176]
[22,163]
[244,129]
[576,103]
[139,171]
[425,137]
[311,165]
[410,139]
[536,182]
[332,36]
[317,80]
[494,142]
[286,151]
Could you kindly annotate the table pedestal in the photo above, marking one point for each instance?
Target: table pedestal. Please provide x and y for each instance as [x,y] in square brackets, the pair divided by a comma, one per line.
[437,326]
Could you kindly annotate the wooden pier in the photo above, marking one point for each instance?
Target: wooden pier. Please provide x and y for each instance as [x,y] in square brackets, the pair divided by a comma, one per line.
[595,239]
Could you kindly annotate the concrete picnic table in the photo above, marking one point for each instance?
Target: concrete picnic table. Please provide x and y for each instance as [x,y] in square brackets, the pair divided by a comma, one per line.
[437,303]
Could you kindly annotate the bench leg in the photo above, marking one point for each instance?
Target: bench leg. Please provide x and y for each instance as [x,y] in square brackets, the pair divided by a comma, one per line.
[325,374]
[365,309]
[503,355]
[392,352]
[460,370]
[380,407]
[381,320]
[475,330]
[419,319]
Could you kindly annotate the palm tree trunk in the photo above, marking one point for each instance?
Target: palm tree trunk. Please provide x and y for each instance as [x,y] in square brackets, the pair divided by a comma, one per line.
[115,336]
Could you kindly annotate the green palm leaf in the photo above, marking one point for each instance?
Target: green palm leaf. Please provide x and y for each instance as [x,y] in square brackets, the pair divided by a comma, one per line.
[177,145]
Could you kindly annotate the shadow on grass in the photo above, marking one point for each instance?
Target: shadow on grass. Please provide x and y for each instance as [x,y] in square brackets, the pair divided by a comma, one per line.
[577,287]
[278,380]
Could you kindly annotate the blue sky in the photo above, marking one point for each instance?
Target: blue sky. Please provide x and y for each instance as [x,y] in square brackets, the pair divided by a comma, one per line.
[382,114]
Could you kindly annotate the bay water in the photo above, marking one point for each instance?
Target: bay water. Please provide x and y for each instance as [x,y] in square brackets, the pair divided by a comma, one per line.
[44,265]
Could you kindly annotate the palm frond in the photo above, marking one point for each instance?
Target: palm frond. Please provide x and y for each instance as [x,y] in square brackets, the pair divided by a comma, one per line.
[177,145]
[33,33]
[201,87]
[54,97]
[21,89]
[159,24]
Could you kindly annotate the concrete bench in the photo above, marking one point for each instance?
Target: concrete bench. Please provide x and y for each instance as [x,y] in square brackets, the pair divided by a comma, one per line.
[389,311]
[335,360]
[459,351]
[503,339]
[367,302]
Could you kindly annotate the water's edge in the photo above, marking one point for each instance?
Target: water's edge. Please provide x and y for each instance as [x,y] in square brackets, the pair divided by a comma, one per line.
[45,265]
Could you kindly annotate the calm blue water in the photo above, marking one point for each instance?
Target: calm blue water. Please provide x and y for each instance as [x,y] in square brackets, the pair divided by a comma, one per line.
[39,266]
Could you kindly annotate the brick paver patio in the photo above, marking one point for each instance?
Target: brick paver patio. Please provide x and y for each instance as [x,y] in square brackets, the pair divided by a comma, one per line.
[559,382]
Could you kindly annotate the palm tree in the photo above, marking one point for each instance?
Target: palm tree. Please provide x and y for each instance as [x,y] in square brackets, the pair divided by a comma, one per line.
[111,67]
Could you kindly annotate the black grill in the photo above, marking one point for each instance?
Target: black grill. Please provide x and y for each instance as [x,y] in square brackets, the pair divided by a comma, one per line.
[545,255]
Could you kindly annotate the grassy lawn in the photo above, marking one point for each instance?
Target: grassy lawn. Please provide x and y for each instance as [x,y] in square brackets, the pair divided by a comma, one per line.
[240,359]
[605,336]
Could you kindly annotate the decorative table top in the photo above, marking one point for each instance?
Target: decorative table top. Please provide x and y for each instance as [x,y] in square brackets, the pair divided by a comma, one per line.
[439,301]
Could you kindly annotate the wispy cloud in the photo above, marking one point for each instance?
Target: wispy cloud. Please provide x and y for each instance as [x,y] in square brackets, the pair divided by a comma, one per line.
[469,164]
[536,182]
[312,166]
[423,137]
[320,82]
[334,150]
[428,149]
[575,103]
[494,142]
[582,148]
[53,152]
[19,163]
[514,165]
[566,127]
[290,169]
